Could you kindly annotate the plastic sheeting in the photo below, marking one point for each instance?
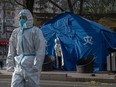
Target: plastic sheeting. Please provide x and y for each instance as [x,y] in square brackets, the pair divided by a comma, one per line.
[79,37]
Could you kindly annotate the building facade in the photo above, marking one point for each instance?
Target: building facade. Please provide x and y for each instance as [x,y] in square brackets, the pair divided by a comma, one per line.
[8,11]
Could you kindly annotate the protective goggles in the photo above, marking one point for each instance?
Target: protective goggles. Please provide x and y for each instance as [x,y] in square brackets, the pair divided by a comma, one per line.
[23,17]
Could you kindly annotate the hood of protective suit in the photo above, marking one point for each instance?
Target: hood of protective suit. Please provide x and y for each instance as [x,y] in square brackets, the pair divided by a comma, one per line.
[27,13]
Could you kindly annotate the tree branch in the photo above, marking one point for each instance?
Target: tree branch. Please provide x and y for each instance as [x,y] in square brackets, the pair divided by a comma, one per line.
[20,4]
[56,5]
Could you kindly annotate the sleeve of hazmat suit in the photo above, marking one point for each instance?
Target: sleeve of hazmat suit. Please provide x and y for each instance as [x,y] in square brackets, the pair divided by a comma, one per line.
[10,62]
[40,50]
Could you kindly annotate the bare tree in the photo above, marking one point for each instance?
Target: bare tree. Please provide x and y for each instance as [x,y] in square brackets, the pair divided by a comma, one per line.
[75,6]
[99,6]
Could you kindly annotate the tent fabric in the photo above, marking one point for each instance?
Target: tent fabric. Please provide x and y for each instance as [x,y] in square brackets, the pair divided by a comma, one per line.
[79,37]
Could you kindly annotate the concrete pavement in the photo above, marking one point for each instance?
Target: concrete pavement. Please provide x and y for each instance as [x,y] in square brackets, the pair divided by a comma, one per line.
[71,76]
[46,83]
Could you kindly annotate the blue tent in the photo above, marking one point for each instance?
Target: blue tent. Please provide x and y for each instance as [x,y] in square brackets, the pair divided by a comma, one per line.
[79,37]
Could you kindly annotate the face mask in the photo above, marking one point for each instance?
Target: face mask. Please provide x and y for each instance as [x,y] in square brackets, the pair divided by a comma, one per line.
[22,22]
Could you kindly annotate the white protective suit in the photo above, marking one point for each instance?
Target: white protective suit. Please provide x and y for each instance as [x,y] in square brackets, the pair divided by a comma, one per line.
[26,54]
[58,52]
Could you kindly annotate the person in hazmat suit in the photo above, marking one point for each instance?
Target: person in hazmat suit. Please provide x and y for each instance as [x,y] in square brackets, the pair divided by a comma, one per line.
[26,52]
[58,54]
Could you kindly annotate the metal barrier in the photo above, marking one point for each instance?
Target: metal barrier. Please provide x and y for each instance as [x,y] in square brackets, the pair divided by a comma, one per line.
[85,64]
[111,60]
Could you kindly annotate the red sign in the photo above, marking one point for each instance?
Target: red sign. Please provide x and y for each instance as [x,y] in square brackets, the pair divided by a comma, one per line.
[4,42]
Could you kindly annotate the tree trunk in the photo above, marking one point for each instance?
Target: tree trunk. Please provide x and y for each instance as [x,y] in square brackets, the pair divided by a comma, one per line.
[81,7]
[29,5]
[70,6]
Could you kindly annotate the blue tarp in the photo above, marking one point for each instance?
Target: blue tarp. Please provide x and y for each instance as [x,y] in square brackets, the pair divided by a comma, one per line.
[79,37]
